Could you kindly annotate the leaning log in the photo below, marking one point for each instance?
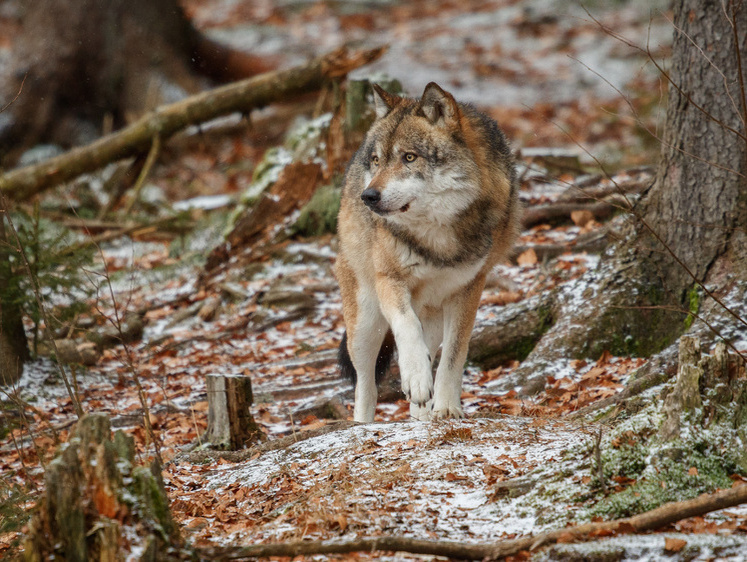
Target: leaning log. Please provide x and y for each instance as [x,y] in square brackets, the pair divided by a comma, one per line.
[22,184]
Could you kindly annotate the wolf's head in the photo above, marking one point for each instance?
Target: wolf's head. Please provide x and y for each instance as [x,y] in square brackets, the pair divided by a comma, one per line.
[417,164]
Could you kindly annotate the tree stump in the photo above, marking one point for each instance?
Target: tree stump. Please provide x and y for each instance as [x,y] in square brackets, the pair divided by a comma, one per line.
[98,505]
[709,389]
[230,422]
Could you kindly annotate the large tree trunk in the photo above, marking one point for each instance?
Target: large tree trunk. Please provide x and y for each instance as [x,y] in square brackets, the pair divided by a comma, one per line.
[697,205]
[85,59]
[14,351]
[689,228]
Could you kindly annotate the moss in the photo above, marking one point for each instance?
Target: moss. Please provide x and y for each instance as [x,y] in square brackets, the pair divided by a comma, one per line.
[693,299]
[639,330]
[673,480]
[319,215]
[152,501]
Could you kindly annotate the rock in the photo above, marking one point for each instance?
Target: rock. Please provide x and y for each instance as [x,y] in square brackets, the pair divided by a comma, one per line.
[70,351]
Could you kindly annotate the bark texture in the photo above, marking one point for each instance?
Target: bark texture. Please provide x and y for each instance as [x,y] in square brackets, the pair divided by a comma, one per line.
[14,351]
[689,227]
[82,60]
[697,203]
[230,422]
[98,505]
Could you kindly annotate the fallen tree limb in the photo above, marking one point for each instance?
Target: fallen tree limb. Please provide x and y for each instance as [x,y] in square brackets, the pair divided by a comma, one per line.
[594,242]
[552,212]
[23,183]
[648,521]
[198,457]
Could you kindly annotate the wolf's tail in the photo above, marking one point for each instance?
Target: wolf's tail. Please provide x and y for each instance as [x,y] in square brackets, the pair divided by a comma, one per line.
[382,360]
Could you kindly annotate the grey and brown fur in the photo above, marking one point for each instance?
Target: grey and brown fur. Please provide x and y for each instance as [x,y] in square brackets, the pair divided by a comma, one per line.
[429,206]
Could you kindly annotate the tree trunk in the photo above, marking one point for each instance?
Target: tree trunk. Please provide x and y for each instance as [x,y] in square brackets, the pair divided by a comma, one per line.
[697,204]
[14,351]
[84,60]
[689,228]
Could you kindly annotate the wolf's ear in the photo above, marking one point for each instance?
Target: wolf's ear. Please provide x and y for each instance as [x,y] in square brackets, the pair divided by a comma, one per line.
[439,106]
[384,101]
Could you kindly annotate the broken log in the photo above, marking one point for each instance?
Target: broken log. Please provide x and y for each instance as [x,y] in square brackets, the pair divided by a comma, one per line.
[707,388]
[561,211]
[22,184]
[230,422]
[97,500]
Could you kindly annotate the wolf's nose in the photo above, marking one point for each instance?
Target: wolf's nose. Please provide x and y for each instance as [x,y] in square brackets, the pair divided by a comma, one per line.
[371,196]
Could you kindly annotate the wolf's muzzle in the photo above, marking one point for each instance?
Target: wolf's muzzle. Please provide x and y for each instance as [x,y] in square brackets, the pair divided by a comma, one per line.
[371,197]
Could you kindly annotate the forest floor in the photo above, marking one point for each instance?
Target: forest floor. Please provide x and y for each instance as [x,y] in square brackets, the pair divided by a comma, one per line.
[516,465]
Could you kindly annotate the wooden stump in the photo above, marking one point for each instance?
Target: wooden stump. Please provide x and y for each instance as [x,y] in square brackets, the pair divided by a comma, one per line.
[709,389]
[230,422]
[98,505]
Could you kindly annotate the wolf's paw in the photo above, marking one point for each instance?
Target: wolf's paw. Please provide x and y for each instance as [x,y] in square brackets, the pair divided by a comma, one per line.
[447,411]
[417,377]
[420,413]
[420,389]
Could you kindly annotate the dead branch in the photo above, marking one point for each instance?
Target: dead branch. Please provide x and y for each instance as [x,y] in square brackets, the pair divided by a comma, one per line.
[593,242]
[23,183]
[665,515]
[552,212]
[594,189]
[197,457]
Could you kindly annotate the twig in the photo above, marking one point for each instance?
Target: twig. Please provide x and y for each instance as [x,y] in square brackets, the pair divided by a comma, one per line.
[18,94]
[23,183]
[665,515]
[155,150]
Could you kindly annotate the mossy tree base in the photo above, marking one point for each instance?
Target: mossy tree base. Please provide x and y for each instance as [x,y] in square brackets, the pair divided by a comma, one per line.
[98,505]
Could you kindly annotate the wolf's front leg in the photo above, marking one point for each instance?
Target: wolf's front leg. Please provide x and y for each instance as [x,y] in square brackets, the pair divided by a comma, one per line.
[364,341]
[414,357]
[459,317]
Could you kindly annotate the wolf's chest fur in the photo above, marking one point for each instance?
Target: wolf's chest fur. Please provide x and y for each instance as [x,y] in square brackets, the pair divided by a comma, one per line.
[430,284]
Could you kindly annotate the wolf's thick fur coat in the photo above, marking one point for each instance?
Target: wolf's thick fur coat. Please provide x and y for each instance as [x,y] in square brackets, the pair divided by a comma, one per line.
[429,206]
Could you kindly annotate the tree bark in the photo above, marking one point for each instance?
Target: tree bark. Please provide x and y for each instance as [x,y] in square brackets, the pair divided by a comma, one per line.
[14,350]
[230,422]
[689,227]
[97,499]
[82,60]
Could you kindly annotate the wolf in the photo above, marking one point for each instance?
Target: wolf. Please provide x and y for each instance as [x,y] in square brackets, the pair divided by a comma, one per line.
[429,205]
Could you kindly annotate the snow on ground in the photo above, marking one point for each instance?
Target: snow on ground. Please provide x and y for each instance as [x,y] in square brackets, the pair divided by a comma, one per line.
[407,478]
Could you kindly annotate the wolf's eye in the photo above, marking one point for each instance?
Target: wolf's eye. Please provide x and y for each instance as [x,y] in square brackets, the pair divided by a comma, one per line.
[375,160]
[410,157]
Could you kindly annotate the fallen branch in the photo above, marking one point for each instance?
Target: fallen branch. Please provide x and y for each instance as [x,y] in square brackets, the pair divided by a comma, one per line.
[552,212]
[594,242]
[648,521]
[23,183]
[199,457]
